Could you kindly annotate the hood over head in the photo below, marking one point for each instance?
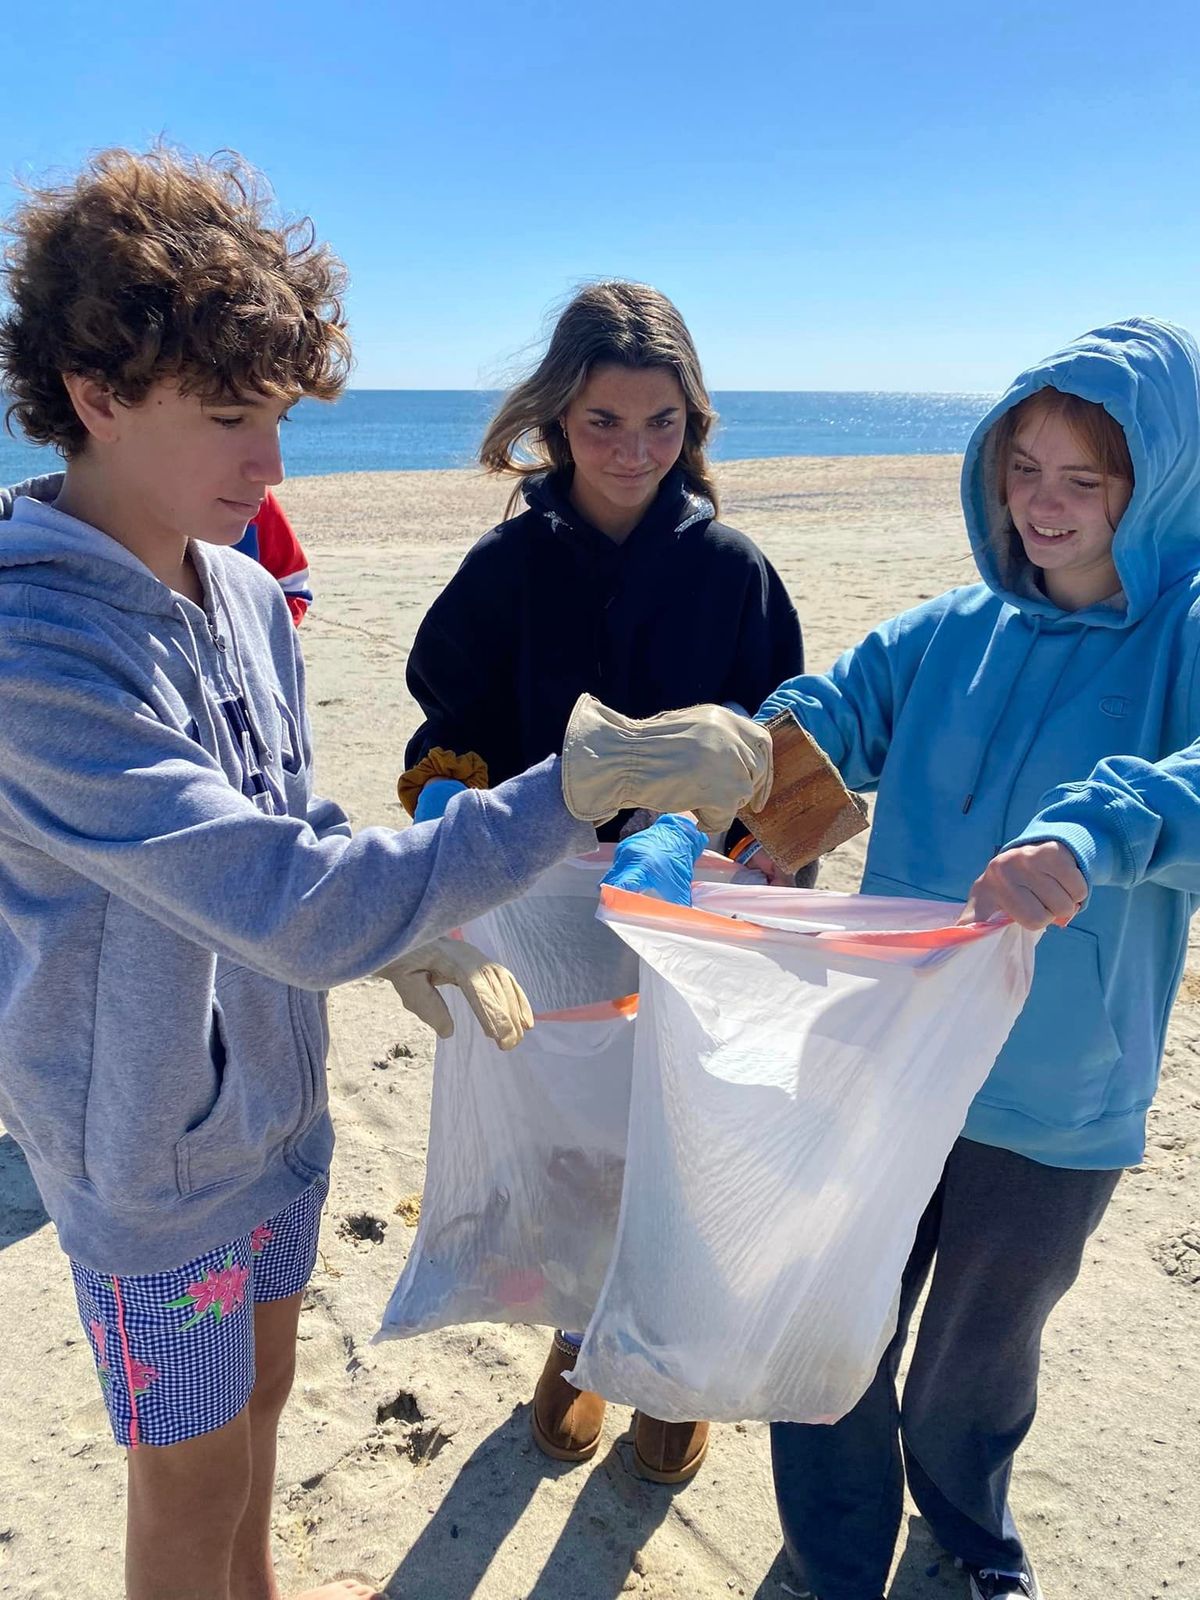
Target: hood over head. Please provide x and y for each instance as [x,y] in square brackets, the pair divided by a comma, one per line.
[1146,375]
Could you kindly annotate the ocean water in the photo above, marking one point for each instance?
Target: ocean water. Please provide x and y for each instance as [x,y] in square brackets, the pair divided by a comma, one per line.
[390,430]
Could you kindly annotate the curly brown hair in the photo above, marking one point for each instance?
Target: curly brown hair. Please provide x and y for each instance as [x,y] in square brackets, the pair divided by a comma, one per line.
[162,265]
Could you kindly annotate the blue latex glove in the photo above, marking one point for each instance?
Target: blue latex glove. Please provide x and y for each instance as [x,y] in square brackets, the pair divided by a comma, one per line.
[435,797]
[659,860]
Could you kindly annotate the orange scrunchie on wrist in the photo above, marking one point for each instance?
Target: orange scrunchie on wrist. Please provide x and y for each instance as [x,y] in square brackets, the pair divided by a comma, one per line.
[470,769]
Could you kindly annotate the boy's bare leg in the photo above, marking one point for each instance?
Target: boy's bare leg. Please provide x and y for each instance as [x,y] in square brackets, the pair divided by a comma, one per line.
[185,1504]
[199,1512]
[252,1570]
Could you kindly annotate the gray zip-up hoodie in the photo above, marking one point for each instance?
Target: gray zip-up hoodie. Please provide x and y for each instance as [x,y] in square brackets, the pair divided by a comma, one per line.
[174,900]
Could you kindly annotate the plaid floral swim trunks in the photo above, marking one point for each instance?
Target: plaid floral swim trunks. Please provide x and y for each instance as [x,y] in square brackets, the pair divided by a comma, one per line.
[174,1350]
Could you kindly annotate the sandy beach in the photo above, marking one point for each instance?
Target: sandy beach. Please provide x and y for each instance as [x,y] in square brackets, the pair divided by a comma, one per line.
[410,1463]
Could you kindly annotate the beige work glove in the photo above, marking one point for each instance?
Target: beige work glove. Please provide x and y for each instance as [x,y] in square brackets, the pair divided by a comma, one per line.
[706,760]
[491,991]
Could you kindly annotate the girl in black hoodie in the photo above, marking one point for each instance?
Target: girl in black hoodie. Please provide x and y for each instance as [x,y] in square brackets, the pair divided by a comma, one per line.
[615,580]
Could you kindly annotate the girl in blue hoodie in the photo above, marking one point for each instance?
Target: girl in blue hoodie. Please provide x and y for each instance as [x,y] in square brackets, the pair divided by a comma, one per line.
[1030,738]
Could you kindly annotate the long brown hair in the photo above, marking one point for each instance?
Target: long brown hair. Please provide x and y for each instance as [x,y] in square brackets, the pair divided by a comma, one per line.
[618,323]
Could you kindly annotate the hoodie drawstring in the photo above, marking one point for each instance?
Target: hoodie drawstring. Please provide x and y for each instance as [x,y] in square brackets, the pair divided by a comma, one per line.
[197,667]
[985,748]
[265,754]
[1033,723]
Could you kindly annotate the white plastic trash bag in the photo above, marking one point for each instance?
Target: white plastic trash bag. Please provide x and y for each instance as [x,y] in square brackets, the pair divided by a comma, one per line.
[526,1154]
[796,1091]
[523,1176]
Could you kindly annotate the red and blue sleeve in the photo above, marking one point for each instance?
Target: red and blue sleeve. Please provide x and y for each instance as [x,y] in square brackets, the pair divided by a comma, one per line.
[272,542]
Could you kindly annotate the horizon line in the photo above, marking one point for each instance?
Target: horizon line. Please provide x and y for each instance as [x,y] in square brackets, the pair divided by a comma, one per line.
[381,388]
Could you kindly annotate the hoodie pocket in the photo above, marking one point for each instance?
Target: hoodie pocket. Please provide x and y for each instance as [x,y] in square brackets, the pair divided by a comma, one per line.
[268,1051]
[199,1071]
[291,748]
[1058,1061]
[878,883]
[292,774]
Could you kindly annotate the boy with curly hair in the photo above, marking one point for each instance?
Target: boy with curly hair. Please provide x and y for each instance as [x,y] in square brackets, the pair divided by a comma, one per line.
[174,900]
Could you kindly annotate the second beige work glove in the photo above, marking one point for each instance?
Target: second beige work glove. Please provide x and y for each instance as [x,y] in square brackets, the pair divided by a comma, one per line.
[706,760]
[491,991]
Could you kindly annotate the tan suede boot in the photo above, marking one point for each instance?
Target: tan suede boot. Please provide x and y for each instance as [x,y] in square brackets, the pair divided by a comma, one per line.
[566,1421]
[668,1452]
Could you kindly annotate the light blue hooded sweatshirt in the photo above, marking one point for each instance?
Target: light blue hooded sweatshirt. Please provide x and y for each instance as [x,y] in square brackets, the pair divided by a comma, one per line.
[989,717]
[174,899]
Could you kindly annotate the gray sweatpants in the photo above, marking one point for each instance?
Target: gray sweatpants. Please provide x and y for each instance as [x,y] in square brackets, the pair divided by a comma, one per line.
[1008,1236]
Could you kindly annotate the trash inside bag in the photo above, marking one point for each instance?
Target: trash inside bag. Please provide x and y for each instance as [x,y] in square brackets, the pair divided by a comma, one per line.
[523,1177]
[526,1154]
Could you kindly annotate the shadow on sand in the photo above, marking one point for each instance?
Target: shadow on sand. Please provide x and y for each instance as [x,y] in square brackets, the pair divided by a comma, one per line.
[21,1209]
[613,1516]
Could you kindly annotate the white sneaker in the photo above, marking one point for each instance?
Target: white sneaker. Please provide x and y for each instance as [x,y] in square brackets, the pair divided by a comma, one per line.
[987,1584]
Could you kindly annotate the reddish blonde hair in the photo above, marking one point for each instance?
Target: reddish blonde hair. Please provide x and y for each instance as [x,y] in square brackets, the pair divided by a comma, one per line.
[1096,431]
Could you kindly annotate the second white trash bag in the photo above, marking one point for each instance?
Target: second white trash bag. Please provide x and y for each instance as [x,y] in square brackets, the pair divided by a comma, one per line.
[796,1091]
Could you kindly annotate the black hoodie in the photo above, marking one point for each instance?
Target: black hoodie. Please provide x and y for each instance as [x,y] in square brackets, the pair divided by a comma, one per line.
[546,607]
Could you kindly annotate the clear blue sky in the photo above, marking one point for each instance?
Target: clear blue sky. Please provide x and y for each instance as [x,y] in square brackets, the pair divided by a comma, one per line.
[910,195]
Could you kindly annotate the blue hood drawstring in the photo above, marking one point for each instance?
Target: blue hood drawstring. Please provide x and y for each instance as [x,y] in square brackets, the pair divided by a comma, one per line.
[1034,722]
